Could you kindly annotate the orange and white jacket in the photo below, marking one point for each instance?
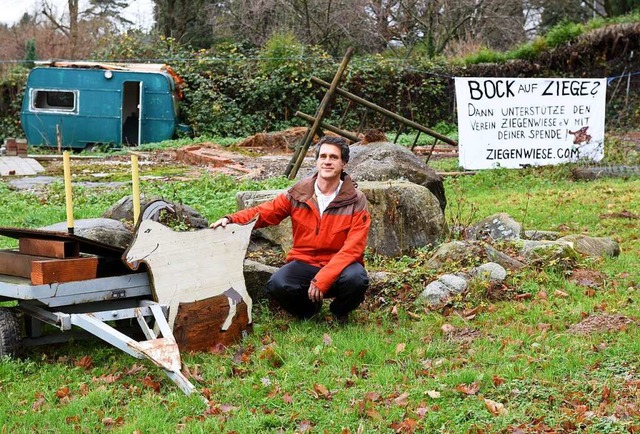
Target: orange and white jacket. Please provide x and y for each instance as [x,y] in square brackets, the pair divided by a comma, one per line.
[333,241]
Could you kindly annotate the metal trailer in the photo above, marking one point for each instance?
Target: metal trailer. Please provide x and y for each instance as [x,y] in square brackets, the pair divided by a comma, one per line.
[90,305]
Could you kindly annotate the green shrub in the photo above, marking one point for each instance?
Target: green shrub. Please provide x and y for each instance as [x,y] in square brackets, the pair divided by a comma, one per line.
[563,33]
[12,87]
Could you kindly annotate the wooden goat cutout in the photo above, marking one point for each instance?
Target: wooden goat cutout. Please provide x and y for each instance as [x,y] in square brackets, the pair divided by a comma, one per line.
[191,266]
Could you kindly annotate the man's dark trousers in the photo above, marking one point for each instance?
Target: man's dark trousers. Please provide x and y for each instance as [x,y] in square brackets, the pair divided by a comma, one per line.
[289,286]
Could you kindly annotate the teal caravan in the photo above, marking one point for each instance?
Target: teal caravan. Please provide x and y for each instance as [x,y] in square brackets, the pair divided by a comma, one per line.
[80,104]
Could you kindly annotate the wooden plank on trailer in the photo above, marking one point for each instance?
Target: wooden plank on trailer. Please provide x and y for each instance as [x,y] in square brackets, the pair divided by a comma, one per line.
[49,248]
[63,270]
[14,263]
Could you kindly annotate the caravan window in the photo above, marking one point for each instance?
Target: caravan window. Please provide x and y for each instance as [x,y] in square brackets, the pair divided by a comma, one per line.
[54,100]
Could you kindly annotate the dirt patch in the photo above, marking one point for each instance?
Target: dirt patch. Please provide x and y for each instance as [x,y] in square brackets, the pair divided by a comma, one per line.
[601,323]
[587,278]
[280,141]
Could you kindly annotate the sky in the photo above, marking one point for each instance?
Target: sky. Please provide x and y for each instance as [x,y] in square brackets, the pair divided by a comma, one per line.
[139,11]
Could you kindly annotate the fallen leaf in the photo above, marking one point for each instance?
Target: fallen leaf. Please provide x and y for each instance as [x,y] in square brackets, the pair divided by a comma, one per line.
[151,384]
[63,392]
[305,426]
[470,389]
[371,396]
[85,362]
[498,381]
[72,419]
[413,315]
[542,295]
[206,392]
[326,339]
[107,378]
[401,400]
[394,311]
[321,391]
[134,369]
[227,408]
[422,411]
[408,425]
[287,398]
[495,408]
[400,348]
[433,394]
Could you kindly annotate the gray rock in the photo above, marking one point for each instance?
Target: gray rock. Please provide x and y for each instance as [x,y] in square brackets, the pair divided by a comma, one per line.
[404,216]
[496,227]
[256,276]
[542,235]
[280,235]
[592,246]
[107,231]
[456,284]
[382,161]
[490,271]
[451,252]
[545,252]
[123,210]
[434,293]
[503,259]
[440,290]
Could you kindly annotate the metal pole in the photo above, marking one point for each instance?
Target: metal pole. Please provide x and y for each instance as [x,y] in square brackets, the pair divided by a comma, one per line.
[386,112]
[328,97]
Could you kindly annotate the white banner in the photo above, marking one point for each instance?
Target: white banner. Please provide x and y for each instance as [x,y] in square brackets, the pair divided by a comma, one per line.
[515,122]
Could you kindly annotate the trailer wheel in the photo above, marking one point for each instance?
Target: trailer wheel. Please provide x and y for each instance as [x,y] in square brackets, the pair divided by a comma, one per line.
[10,336]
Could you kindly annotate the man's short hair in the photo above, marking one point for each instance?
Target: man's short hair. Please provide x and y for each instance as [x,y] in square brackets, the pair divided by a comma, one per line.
[336,141]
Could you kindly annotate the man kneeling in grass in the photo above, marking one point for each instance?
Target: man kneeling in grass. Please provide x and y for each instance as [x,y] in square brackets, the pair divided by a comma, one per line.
[330,228]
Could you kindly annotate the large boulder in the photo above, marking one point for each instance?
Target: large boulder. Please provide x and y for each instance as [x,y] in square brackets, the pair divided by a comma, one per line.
[382,161]
[593,246]
[103,230]
[158,210]
[404,216]
[281,234]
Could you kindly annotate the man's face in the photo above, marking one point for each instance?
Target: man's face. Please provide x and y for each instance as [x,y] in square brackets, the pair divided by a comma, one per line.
[329,162]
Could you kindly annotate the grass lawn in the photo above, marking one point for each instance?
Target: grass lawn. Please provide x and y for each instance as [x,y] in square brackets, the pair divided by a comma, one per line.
[482,365]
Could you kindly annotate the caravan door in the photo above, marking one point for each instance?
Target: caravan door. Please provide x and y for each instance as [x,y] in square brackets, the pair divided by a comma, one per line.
[131,113]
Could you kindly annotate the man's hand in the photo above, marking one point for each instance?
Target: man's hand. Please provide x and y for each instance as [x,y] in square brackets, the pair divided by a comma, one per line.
[221,222]
[315,294]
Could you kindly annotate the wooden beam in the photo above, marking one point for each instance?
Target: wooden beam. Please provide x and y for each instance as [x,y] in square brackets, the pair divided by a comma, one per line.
[13,263]
[63,270]
[42,270]
[49,248]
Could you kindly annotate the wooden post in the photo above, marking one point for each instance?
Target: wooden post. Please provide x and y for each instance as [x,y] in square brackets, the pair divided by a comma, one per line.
[324,104]
[329,127]
[388,113]
[67,190]
[135,195]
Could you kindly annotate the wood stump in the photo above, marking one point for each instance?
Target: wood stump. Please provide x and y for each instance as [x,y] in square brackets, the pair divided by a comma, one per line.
[198,325]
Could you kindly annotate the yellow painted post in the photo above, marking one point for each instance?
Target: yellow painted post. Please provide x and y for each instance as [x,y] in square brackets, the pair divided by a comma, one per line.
[67,190]
[135,178]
